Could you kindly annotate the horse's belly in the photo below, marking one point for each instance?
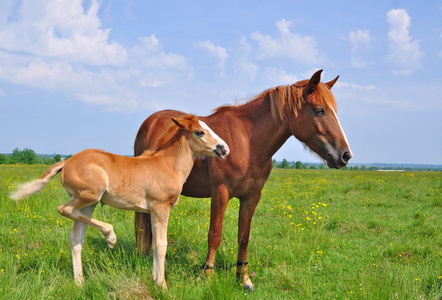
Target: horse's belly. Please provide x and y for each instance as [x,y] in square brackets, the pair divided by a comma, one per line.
[126,203]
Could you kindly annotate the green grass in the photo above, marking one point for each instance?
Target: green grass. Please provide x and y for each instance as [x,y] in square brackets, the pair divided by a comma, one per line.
[316,235]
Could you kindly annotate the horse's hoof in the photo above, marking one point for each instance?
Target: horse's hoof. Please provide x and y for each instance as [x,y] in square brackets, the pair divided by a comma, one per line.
[249,287]
[111,245]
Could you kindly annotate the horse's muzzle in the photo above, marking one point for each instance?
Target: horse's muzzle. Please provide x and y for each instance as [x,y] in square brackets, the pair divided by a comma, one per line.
[339,161]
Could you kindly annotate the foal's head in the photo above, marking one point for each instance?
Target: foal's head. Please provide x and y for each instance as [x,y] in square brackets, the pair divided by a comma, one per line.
[202,140]
[317,124]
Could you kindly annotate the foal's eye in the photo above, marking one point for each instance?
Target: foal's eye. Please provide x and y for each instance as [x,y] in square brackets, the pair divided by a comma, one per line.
[199,133]
[319,111]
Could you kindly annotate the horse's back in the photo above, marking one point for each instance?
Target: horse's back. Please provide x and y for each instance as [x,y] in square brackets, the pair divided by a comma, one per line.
[152,129]
[240,175]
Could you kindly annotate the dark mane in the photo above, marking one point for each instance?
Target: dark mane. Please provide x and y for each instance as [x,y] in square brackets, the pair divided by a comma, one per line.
[288,99]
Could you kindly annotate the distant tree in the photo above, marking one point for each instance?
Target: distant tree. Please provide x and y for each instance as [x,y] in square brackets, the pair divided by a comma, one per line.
[25,156]
[4,159]
[48,160]
[15,156]
[28,156]
[284,164]
[57,158]
[298,165]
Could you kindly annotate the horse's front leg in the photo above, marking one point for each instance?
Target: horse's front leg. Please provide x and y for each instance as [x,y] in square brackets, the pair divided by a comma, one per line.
[220,199]
[159,219]
[246,210]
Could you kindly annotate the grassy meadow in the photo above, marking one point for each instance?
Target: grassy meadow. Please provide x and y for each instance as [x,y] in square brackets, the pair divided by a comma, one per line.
[317,234]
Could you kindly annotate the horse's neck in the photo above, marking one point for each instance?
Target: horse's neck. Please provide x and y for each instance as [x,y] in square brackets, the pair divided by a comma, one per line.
[267,137]
[178,157]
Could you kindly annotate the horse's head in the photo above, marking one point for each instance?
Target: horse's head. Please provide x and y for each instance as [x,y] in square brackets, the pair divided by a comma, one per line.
[317,124]
[202,140]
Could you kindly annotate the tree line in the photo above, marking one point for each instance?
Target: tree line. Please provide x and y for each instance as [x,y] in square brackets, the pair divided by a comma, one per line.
[28,157]
[300,165]
[297,165]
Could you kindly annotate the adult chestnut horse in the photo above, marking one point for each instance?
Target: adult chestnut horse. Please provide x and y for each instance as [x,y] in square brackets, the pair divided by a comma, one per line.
[255,131]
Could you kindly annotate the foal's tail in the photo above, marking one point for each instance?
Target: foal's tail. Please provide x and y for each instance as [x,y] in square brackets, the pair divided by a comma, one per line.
[35,186]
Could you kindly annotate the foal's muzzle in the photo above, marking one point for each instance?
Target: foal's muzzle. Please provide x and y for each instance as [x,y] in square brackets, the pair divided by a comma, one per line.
[221,151]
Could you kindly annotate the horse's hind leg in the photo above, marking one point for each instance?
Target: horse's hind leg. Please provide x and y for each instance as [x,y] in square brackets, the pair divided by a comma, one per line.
[73,210]
[143,232]
[76,239]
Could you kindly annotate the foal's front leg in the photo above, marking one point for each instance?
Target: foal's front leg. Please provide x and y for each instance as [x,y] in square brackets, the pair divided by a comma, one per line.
[159,218]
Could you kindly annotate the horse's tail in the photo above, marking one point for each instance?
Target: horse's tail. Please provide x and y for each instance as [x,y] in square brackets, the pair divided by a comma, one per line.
[35,186]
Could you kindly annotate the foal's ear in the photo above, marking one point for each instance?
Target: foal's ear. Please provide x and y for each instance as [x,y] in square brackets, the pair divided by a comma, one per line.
[332,82]
[183,123]
[179,122]
[313,82]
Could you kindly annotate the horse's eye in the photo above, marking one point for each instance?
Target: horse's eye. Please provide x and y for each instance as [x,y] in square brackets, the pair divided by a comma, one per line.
[199,133]
[319,111]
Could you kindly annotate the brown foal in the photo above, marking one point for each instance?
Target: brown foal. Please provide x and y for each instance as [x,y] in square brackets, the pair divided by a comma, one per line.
[151,182]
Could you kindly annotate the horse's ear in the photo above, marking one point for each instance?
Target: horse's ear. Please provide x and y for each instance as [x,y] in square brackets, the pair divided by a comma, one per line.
[179,122]
[313,82]
[332,82]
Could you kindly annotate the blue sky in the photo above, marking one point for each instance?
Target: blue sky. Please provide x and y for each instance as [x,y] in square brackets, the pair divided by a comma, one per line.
[85,74]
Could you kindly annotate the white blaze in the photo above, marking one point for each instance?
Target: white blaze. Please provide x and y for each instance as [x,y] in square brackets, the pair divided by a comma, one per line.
[345,137]
[214,135]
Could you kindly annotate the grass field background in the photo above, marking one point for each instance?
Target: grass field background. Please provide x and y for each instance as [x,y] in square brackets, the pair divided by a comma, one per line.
[317,234]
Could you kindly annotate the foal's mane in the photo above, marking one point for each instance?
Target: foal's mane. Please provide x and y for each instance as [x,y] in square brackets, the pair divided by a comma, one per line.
[287,100]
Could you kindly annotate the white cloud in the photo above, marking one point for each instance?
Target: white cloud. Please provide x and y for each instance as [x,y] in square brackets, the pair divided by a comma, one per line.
[405,53]
[60,30]
[150,54]
[217,52]
[301,49]
[59,46]
[355,86]
[360,40]
[280,77]
[242,62]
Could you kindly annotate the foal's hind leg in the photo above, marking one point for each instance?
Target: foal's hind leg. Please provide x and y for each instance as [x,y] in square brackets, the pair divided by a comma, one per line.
[76,239]
[72,210]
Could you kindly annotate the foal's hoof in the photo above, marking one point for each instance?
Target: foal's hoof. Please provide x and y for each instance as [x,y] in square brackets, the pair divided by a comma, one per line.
[111,239]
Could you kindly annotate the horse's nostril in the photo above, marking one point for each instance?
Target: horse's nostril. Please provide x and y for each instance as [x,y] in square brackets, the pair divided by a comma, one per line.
[221,149]
[346,156]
